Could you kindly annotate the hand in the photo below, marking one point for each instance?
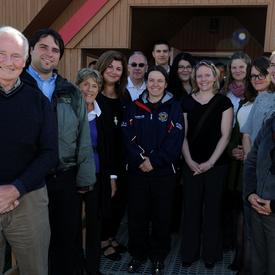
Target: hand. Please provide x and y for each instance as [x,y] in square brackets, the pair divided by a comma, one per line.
[8,197]
[113,187]
[146,165]
[205,166]
[238,153]
[12,207]
[260,205]
[194,166]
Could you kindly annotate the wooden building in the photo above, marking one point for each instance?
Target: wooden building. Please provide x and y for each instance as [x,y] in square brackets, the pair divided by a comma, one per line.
[203,27]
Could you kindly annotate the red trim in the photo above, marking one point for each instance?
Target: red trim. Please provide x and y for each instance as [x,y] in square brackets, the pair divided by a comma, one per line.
[142,106]
[80,19]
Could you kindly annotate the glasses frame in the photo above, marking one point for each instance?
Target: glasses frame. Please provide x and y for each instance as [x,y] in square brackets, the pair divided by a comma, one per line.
[139,65]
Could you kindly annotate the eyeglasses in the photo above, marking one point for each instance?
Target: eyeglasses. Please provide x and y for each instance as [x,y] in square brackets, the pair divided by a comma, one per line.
[187,68]
[272,65]
[134,65]
[254,77]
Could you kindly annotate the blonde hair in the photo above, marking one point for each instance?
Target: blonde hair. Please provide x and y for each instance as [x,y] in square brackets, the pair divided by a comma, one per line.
[215,71]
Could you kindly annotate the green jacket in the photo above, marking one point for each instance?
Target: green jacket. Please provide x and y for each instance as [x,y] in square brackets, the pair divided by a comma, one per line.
[74,142]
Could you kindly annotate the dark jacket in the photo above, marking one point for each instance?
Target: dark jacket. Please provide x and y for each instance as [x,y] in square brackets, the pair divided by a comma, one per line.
[74,143]
[155,132]
[28,138]
[258,175]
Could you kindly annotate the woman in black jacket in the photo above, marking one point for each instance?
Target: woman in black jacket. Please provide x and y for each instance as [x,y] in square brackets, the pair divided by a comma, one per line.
[153,133]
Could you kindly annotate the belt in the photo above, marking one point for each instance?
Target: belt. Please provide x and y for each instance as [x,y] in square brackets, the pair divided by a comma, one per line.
[54,173]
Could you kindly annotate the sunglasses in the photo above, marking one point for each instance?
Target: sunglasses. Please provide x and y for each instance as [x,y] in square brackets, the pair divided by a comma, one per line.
[134,65]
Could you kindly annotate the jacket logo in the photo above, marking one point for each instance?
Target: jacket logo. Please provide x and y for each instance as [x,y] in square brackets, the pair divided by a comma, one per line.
[163,116]
[139,117]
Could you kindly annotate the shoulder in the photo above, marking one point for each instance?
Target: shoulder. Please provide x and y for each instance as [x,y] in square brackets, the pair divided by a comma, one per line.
[65,87]
[224,102]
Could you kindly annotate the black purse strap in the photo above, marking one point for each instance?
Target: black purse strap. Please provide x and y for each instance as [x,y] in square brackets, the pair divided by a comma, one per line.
[204,117]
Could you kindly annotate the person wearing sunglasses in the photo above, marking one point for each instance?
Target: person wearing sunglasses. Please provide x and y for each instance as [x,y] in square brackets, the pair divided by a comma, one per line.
[137,67]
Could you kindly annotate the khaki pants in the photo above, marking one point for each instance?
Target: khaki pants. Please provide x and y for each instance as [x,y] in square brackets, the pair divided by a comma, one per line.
[27,230]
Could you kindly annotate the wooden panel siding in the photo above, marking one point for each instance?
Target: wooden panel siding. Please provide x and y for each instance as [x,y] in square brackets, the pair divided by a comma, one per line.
[70,64]
[19,13]
[197,2]
[112,31]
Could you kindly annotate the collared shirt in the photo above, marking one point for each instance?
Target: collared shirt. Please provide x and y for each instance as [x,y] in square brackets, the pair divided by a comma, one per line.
[46,86]
[96,112]
[10,92]
[135,91]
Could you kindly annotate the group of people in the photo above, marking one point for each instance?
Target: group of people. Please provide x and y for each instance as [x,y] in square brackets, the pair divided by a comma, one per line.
[125,134]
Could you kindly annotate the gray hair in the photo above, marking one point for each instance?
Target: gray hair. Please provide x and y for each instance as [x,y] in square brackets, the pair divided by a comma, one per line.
[85,73]
[138,53]
[16,33]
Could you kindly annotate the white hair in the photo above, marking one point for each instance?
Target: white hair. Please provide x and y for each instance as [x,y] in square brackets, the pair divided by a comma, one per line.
[16,33]
[137,53]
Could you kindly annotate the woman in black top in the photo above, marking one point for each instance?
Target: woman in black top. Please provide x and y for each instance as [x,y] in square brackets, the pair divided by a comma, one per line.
[113,67]
[208,119]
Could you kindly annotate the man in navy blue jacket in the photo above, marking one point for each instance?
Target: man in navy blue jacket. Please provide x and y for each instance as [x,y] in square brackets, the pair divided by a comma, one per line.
[28,150]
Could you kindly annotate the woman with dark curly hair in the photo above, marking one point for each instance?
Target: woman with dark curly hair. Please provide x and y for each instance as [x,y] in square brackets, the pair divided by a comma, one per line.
[180,75]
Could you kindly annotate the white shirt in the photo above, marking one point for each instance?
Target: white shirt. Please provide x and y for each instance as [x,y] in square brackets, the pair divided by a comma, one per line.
[243,113]
[135,91]
[96,112]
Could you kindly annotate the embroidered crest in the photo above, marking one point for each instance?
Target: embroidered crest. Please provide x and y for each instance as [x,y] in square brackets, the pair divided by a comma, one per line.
[163,116]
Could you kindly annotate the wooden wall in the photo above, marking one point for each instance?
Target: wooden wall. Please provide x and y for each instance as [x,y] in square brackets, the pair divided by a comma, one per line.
[19,13]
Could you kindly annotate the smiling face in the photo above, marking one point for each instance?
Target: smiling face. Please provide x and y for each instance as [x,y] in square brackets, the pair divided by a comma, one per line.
[238,69]
[113,72]
[45,55]
[12,60]
[137,67]
[184,70]
[89,89]
[259,81]
[205,79]
[272,69]
[156,85]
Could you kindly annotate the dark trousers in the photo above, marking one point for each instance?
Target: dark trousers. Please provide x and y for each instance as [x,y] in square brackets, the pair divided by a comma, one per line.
[114,208]
[202,197]
[150,199]
[64,222]
[93,227]
[263,244]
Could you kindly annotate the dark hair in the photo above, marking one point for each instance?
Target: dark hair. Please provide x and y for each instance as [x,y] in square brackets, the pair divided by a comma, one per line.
[161,42]
[44,33]
[261,64]
[175,84]
[229,79]
[157,68]
[220,64]
[105,60]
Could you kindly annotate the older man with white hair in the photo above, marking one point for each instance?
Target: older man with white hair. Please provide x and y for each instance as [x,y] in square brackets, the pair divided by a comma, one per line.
[137,67]
[28,150]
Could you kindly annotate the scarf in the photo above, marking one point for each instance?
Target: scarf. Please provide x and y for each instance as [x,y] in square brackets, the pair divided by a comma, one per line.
[236,90]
